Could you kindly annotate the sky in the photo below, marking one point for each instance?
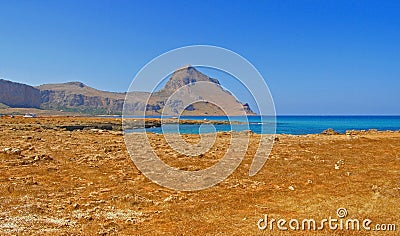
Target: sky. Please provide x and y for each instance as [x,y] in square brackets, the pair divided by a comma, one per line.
[317,57]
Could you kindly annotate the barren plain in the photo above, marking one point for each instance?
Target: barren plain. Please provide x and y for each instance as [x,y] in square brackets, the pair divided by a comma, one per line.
[82,182]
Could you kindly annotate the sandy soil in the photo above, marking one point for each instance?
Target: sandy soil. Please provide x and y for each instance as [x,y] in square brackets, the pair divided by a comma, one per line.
[59,182]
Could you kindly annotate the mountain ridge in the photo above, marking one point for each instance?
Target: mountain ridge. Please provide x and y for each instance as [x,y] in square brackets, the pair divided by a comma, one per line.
[76,96]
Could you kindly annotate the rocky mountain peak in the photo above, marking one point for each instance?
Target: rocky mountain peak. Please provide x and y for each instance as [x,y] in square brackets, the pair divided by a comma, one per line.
[184,76]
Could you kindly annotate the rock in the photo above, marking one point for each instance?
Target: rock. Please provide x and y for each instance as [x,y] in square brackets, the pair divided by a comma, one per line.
[291,188]
[16,151]
[40,157]
[338,163]
[79,96]
[169,198]
[6,150]
[329,131]
[351,132]
[19,95]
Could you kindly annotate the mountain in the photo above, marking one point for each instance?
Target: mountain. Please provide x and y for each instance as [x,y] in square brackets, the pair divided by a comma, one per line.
[185,76]
[186,85]
[78,97]
[14,94]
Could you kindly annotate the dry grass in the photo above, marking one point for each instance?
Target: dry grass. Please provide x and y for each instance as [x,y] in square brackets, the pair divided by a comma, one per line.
[83,182]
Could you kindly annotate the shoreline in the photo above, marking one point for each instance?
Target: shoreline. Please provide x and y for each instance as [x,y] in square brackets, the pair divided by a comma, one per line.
[84,181]
[71,123]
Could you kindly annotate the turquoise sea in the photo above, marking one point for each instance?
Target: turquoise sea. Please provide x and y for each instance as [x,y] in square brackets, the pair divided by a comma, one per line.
[284,124]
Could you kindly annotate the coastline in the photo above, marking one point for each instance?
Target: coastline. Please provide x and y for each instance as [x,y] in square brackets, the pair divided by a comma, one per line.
[131,124]
[60,181]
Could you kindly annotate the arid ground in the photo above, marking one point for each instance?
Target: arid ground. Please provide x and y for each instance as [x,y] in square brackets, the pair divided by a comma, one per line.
[82,182]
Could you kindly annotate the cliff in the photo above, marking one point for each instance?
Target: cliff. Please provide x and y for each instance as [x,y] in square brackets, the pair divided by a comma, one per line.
[15,94]
[76,96]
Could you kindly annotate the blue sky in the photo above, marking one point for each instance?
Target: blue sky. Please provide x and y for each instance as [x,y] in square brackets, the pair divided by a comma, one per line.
[318,57]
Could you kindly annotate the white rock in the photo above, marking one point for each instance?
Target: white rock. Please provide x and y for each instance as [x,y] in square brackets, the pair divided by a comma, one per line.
[16,151]
[168,199]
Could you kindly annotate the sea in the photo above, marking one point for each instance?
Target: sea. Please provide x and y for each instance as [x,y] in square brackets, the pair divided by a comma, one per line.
[281,124]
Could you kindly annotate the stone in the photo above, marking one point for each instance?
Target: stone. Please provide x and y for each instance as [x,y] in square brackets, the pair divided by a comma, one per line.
[329,131]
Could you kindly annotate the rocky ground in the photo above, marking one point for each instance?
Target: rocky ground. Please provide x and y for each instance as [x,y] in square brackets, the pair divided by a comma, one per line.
[54,181]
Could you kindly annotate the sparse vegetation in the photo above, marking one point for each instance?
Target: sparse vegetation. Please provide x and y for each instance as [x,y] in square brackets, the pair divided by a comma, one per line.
[83,182]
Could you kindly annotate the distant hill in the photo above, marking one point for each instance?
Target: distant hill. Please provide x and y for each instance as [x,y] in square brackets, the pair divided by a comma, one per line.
[14,94]
[190,77]
[3,106]
[78,97]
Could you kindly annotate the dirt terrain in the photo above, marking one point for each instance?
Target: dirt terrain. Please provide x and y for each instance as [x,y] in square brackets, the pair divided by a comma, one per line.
[82,182]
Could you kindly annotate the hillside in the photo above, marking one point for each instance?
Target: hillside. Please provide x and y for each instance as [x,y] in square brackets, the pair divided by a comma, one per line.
[78,97]
[185,85]
[80,88]
[14,94]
